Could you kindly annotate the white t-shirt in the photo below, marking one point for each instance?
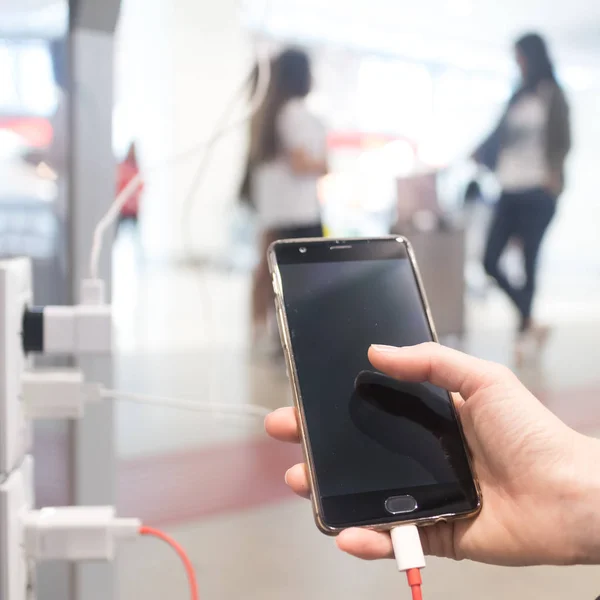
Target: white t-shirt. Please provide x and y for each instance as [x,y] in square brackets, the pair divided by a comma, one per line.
[522,163]
[282,197]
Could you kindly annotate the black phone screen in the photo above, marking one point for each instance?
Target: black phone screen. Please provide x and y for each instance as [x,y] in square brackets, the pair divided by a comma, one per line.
[371,437]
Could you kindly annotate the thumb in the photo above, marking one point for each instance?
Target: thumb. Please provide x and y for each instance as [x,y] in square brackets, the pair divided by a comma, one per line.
[441,366]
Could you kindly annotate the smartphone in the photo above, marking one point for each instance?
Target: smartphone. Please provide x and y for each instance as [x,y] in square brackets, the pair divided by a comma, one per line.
[380,452]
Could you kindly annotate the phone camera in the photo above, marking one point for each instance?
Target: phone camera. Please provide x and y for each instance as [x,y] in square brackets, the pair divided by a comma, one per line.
[302,250]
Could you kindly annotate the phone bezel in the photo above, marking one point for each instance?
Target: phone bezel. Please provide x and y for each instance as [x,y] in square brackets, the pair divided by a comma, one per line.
[348,249]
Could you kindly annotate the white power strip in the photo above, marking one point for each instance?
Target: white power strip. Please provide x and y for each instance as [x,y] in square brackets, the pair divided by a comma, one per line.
[16,292]
[16,500]
[16,469]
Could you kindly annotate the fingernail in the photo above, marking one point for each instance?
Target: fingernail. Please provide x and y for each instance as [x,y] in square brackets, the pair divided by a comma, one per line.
[384,349]
[285,477]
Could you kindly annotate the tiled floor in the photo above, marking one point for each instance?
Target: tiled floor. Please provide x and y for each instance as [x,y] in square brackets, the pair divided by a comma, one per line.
[217,484]
[275,553]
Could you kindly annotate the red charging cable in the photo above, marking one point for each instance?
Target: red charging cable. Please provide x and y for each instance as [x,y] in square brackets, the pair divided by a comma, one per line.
[187,563]
[413,575]
[409,555]
[415,582]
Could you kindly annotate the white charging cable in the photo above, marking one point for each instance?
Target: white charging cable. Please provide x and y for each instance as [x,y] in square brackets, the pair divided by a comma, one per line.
[263,66]
[64,394]
[263,80]
[264,76]
[410,559]
[216,410]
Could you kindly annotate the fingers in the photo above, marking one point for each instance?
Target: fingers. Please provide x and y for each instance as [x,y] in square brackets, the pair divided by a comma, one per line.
[458,400]
[365,544]
[371,545]
[283,425]
[447,368]
[297,479]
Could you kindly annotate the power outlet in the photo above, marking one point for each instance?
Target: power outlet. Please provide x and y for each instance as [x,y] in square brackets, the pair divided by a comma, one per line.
[16,292]
[16,499]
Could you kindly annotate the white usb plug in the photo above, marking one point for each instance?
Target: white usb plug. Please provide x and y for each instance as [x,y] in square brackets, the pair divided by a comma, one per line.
[77,533]
[408,550]
[85,328]
[409,555]
[61,394]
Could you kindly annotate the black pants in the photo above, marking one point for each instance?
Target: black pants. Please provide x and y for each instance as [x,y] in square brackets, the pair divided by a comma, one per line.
[524,216]
[306,231]
[262,289]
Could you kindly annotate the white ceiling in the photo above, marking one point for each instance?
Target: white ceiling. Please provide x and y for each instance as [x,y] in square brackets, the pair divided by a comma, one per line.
[35,18]
[573,27]
[11,6]
[426,28]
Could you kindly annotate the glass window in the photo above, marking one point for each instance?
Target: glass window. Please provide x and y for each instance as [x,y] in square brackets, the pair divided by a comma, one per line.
[9,96]
[394,97]
[37,88]
[27,79]
[466,107]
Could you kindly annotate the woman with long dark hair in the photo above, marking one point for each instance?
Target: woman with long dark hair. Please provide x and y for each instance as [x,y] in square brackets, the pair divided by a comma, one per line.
[287,157]
[527,151]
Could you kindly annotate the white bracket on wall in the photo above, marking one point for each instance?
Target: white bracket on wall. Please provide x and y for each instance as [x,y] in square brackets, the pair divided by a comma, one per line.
[16,292]
[16,500]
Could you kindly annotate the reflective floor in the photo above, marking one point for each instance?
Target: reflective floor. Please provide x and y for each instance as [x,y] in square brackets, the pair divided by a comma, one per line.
[217,484]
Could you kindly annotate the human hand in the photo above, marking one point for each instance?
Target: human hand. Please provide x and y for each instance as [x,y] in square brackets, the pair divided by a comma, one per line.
[538,477]
[554,185]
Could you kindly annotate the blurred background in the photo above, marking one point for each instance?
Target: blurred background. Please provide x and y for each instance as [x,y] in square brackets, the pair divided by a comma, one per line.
[94,94]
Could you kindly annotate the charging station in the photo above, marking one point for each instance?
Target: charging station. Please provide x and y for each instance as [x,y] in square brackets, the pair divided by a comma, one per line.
[16,468]
[16,498]
[16,292]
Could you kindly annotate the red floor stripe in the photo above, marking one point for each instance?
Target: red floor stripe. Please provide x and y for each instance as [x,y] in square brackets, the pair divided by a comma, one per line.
[199,482]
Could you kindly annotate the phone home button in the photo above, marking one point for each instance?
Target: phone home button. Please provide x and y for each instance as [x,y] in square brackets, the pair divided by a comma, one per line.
[400,505]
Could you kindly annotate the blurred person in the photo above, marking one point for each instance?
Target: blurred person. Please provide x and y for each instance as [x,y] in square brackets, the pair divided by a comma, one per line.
[539,478]
[128,223]
[527,151]
[128,170]
[287,157]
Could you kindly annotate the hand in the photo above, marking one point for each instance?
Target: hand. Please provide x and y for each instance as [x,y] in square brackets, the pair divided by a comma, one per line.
[515,242]
[538,477]
[34,157]
[554,185]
